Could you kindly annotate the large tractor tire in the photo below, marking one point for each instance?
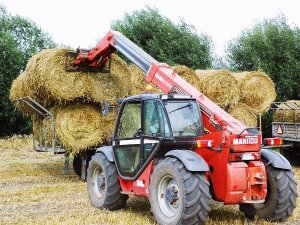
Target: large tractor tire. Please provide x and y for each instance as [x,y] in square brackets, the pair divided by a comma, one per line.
[178,196]
[281,197]
[103,184]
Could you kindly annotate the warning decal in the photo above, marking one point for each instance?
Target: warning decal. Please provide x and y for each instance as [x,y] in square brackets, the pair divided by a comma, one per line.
[279,129]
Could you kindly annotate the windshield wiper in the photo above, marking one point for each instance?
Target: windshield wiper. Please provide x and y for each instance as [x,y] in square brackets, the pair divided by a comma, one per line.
[182,107]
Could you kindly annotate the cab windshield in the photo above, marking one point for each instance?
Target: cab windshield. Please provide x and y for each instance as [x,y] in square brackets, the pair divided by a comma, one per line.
[184,117]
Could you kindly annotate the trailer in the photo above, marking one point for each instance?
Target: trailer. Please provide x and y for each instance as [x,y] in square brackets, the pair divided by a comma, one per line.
[288,129]
[45,139]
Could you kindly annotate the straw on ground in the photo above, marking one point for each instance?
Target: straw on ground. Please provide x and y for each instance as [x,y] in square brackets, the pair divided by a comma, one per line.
[34,190]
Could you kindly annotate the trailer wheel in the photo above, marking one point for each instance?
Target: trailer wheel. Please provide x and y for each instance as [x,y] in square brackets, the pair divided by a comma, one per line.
[281,197]
[103,184]
[178,196]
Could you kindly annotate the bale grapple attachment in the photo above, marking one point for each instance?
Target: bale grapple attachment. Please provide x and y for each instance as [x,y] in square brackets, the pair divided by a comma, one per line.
[102,65]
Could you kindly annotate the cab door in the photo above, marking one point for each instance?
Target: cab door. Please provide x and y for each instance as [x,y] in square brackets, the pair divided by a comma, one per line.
[127,139]
[140,127]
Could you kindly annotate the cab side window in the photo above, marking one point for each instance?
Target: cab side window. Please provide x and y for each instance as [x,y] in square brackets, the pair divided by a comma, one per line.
[130,122]
[155,121]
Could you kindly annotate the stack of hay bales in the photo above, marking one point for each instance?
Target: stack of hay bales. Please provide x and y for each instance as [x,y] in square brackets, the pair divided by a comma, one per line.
[244,95]
[288,112]
[73,97]
[218,85]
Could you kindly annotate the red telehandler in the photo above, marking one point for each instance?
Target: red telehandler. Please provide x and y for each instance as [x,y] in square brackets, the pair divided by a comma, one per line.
[181,150]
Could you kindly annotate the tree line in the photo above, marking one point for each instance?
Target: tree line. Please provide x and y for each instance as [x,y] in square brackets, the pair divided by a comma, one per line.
[271,45]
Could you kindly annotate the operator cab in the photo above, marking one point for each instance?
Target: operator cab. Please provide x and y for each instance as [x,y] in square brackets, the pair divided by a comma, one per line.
[150,125]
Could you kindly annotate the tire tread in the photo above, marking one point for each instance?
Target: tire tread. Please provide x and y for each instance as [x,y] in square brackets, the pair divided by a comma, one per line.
[195,190]
[114,200]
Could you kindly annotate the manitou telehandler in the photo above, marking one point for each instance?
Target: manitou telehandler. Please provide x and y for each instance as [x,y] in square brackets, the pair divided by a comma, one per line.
[181,150]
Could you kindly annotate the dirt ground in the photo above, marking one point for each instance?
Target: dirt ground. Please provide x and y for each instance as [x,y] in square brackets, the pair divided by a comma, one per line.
[34,190]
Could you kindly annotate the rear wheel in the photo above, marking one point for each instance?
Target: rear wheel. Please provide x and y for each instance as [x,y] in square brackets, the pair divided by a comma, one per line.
[178,196]
[281,197]
[103,184]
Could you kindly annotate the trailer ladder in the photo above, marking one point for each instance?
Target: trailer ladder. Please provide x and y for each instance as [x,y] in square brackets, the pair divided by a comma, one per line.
[42,114]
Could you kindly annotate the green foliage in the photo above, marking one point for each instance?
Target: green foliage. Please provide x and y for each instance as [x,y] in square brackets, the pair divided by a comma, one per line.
[274,47]
[19,40]
[165,41]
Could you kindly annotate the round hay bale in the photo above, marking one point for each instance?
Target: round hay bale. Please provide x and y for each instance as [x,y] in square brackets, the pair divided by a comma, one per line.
[288,112]
[138,81]
[58,85]
[244,113]
[220,86]
[35,73]
[188,74]
[78,127]
[55,86]
[20,89]
[108,126]
[256,90]
[111,86]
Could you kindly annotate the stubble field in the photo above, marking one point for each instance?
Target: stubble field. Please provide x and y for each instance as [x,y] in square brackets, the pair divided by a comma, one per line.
[34,190]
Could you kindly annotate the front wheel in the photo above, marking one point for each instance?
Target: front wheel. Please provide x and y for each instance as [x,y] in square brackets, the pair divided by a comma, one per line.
[103,184]
[178,196]
[281,197]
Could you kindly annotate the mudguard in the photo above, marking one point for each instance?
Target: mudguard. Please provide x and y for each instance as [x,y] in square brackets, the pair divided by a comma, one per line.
[191,160]
[276,159]
[108,152]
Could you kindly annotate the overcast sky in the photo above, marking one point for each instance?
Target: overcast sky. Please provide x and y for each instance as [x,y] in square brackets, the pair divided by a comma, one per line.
[82,23]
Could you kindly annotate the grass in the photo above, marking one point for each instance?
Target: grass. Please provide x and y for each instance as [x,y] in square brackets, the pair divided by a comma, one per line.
[34,190]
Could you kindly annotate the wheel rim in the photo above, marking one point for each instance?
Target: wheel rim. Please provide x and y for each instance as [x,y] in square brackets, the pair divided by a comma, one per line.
[168,196]
[99,185]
